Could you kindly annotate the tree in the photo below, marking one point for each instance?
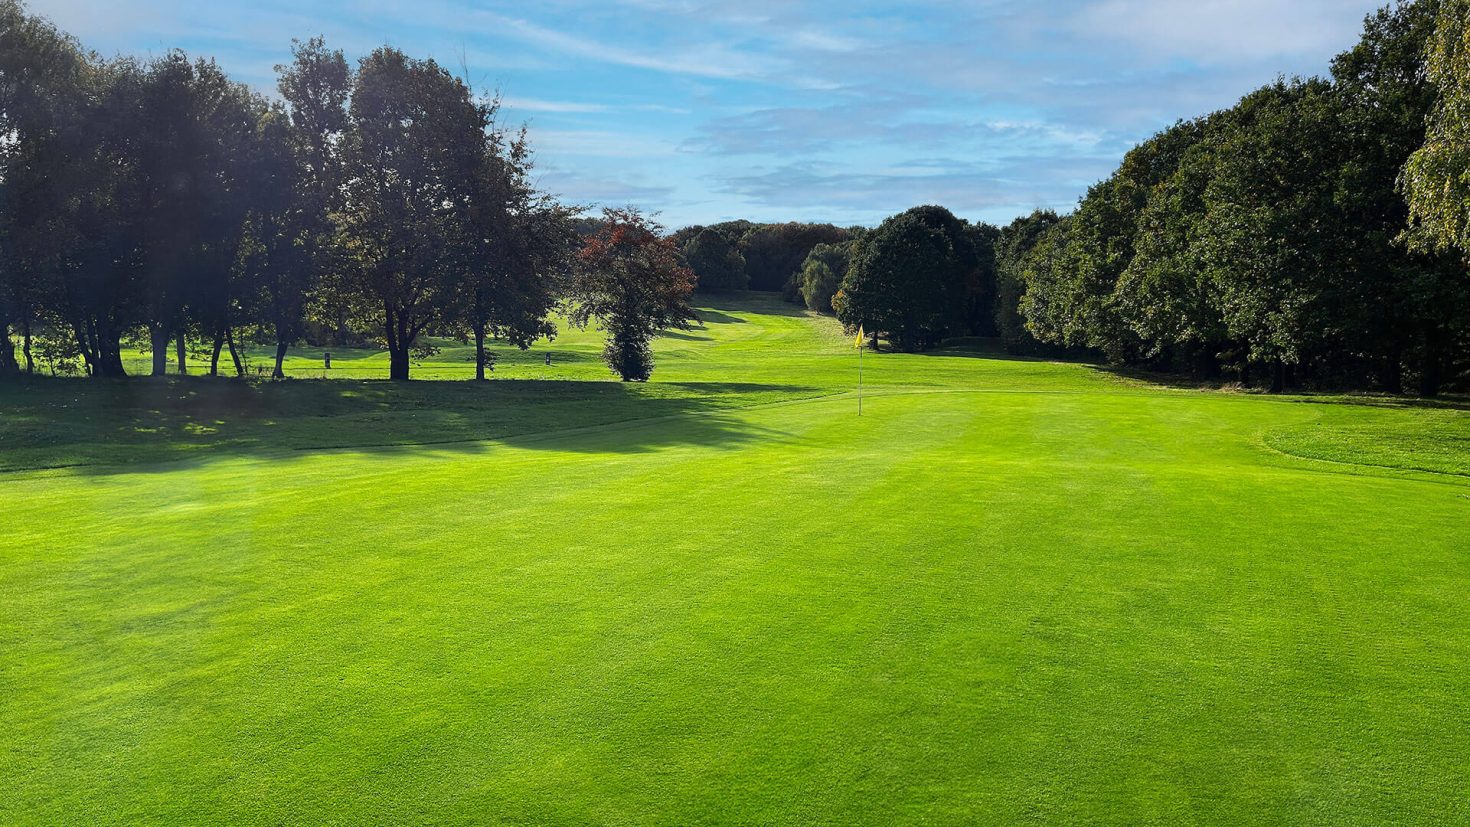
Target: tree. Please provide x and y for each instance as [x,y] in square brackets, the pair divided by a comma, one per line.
[70,235]
[300,177]
[103,290]
[1163,295]
[413,148]
[716,263]
[774,252]
[1012,246]
[1045,271]
[520,248]
[1436,177]
[981,282]
[222,299]
[1082,308]
[822,273]
[1411,300]
[630,281]
[42,73]
[907,279]
[1274,239]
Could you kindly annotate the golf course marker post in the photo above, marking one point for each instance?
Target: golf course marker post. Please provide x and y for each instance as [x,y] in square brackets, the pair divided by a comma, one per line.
[858,343]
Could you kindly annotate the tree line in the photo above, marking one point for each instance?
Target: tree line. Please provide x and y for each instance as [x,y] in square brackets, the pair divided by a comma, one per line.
[159,203]
[920,277]
[1314,234]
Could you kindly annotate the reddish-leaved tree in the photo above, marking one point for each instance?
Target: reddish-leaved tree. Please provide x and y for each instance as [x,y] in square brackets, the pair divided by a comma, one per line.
[630,280]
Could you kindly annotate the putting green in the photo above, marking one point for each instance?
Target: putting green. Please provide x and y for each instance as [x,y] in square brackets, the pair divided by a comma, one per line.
[1012,591]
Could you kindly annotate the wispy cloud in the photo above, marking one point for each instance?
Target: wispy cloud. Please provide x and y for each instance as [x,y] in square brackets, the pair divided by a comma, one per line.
[810,109]
[535,105]
[712,59]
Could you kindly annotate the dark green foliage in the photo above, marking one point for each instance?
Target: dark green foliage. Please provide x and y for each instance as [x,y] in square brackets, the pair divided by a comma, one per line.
[1417,293]
[716,263]
[299,174]
[1045,270]
[774,252]
[982,286]
[907,279]
[954,265]
[1012,247]
[1163,295]
[1265,239]
[166,197]
[415,145]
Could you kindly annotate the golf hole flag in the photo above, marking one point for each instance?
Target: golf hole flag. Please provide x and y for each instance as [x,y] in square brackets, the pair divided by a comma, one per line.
[858,342]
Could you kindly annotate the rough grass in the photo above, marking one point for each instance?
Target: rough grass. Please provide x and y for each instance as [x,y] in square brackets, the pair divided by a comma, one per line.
[1012,592]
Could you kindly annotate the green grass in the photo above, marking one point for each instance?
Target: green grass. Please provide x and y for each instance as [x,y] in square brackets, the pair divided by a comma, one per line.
[1012,592]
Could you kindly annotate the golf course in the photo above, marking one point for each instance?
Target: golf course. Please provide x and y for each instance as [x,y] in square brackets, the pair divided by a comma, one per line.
[1013,590]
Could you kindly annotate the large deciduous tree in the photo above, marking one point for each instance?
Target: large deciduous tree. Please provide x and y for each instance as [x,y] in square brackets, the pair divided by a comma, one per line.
[630,280]
[413,148]
[908,279]
[1274,240]
[189,138]
[519,249]
[1408,303]
[299,179]
[43,98]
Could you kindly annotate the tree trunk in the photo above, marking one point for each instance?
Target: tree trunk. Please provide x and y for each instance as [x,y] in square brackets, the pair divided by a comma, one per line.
[398,363]
[8,365]
[219,343]
[158,337]
[25,347]
[479,351]
[234,352]
[279,372]
[182,353]
[109,353]
[90,360]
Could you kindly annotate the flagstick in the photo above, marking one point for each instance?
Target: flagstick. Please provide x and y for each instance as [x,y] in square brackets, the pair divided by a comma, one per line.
[860,380]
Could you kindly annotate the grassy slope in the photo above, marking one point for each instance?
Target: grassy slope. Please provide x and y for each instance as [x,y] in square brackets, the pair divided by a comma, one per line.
[1012,591]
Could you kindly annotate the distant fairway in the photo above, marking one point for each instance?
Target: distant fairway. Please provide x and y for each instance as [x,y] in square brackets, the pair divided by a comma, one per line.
[1013,591]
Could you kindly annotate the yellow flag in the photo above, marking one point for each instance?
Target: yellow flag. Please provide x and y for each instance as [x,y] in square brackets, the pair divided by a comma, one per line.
[858,342]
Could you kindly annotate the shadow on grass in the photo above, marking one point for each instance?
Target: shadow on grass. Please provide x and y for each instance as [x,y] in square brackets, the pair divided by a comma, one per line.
[109,426]
[1309,396]
[684,337]
[991,349]
[707,317]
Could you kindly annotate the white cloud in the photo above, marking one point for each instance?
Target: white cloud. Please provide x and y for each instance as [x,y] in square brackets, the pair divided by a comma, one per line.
[1222,31]
[536,105]
[713,59]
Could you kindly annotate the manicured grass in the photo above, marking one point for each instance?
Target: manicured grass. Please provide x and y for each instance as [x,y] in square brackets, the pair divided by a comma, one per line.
[1013,591]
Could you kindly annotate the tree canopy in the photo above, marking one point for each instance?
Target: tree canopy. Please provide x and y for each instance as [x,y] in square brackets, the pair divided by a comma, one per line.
[630,280]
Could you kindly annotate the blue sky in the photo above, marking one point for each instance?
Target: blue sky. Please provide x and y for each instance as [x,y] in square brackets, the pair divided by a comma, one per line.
[821,111]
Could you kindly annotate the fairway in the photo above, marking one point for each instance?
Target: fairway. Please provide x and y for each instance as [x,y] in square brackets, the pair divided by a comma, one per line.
[1013,591]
